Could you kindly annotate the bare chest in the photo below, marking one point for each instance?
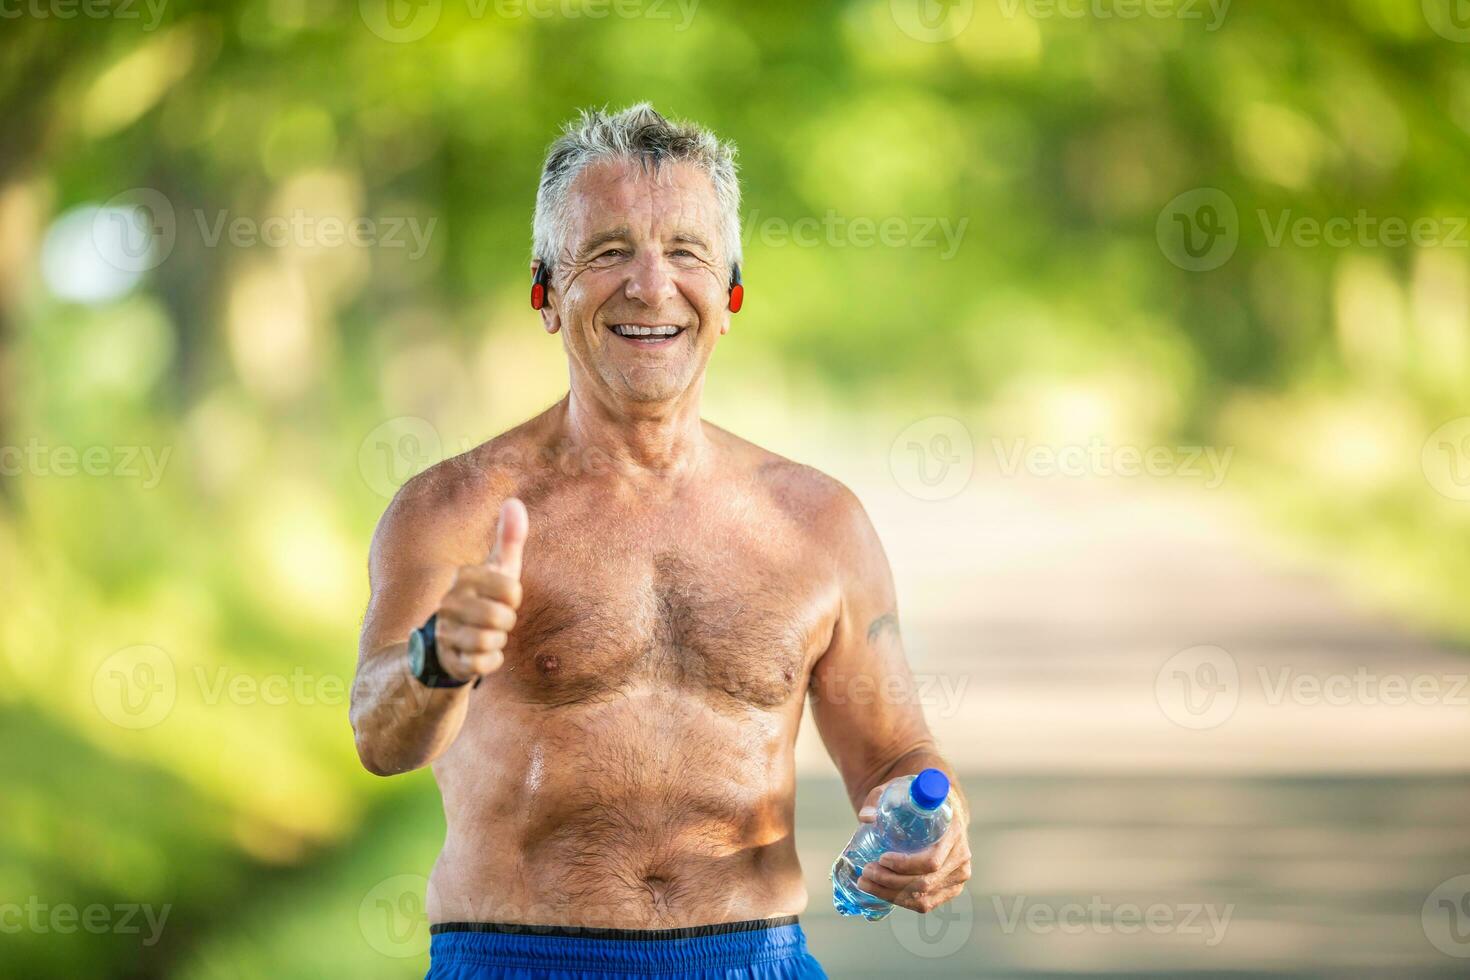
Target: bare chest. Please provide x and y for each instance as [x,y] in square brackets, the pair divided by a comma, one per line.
[713,611]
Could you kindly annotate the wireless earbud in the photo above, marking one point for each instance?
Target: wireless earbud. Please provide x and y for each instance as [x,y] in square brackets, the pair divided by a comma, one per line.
[737,291]
[538,287]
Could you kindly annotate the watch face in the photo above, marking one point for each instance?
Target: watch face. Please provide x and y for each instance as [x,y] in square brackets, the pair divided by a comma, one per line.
[416,654]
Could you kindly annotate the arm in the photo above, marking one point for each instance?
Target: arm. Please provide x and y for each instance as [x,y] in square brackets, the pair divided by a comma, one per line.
[399,724]
[866,709]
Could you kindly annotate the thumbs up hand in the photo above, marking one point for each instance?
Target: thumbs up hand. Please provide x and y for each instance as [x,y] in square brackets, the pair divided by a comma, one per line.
[478,612]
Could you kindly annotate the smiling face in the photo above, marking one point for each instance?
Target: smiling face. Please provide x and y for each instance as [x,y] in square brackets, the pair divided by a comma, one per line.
[640,293]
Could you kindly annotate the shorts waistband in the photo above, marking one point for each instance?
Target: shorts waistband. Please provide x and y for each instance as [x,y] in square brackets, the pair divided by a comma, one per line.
[633,950]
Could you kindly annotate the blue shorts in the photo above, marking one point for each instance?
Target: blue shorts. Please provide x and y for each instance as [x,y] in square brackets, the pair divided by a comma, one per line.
[759,949]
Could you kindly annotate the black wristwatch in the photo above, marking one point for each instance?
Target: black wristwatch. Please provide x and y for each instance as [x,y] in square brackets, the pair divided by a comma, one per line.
[423,658]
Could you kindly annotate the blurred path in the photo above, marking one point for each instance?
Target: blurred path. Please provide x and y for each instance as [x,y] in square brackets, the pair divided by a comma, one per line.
[1053,605]
[1307,770]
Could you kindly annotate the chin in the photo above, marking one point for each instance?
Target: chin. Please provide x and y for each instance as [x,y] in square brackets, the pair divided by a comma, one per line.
[648,395]
[651,388]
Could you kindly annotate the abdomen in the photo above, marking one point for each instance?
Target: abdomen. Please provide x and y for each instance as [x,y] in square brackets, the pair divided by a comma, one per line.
[651,809]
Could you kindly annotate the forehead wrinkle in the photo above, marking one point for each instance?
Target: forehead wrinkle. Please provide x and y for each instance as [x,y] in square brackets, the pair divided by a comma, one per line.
[643,198]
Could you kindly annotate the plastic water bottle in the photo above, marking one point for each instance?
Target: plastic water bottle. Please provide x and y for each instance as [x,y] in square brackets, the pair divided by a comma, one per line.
[912,814]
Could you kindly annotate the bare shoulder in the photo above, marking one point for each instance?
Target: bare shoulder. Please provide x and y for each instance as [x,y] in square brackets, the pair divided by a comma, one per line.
[448,511]
[819,503]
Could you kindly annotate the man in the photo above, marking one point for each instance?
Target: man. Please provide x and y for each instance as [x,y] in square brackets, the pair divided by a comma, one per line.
[660,599]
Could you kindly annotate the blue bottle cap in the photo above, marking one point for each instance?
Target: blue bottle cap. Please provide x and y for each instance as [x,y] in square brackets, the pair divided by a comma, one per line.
[929,789]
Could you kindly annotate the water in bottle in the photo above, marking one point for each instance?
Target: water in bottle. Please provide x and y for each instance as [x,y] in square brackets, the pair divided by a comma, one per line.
[913,813]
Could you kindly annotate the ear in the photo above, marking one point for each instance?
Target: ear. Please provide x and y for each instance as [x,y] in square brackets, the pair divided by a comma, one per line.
[550,316]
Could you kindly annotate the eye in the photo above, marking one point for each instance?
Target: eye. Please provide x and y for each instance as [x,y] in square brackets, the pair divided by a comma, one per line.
[610,253]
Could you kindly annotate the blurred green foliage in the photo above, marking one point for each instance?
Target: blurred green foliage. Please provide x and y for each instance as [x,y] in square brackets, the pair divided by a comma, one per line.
[1049,145]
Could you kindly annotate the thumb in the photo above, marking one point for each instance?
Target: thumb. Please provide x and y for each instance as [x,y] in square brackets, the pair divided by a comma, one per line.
[510,537]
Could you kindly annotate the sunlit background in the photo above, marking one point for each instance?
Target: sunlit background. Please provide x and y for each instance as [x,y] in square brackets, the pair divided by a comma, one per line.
[1142,328]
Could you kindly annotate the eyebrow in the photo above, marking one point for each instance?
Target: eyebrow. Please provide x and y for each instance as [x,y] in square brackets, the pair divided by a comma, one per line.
[622,234]
[602,238]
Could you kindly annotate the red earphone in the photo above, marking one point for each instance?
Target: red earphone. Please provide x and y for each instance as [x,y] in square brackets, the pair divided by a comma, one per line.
[538,289]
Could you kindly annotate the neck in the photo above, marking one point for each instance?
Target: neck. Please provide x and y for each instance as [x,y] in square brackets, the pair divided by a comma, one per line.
[664,438]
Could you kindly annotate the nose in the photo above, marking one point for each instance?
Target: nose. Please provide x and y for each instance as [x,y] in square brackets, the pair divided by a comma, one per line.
[649,281]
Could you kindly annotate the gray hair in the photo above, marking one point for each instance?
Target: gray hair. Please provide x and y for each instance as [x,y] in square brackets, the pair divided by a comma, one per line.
[637,133]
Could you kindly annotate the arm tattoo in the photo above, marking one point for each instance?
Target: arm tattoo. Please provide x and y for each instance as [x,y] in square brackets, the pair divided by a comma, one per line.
[886,622]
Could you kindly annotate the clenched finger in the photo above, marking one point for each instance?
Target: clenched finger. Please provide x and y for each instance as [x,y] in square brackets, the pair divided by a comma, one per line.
[927,861]
[475,664]
[471,639]
[917,894]
[472,609]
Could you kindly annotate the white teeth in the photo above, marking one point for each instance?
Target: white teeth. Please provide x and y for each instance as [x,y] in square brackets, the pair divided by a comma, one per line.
[633,330]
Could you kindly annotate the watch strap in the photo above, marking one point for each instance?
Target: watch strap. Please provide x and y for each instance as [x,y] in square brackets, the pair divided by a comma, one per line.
[432,674]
